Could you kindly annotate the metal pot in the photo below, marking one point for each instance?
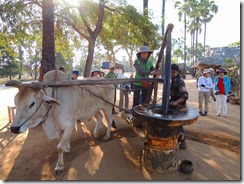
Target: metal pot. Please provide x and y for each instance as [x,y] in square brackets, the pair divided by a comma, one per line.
[186,166]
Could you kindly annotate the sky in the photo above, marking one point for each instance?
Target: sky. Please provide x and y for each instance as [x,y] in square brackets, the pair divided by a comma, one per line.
[221,31]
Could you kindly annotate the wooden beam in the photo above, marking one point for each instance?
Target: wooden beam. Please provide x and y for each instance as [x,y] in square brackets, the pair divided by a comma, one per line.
[63,83]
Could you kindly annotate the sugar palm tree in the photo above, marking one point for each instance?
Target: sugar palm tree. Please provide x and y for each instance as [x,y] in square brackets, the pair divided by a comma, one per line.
[208,9]
[199,12]
[183,10]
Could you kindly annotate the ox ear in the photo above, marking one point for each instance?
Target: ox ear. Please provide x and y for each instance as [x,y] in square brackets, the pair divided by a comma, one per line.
[50,100]
[13,83]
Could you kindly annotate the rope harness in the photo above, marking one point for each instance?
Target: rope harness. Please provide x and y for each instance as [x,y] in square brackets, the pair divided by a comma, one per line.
[32,114]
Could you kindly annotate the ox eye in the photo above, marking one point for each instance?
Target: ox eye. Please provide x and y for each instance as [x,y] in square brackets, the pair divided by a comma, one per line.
[32,104]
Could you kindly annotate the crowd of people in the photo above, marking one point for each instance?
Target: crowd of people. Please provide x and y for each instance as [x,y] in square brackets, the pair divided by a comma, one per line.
[209,83]
[217,86]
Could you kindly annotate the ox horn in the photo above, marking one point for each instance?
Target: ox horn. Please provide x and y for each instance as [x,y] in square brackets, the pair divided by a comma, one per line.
[13,83]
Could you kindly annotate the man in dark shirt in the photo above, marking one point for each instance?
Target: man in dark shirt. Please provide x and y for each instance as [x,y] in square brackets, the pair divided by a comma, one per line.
[178,97]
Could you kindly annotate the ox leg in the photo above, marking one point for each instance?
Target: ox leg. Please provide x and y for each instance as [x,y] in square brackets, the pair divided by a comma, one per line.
[62,145]
[109,118]
[67,147]
[99,118]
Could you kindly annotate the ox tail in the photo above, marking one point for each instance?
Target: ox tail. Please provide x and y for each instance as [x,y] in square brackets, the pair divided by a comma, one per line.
[114,125]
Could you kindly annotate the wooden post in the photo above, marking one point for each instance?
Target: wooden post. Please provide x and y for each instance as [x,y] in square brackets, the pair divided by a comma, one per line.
[11,114]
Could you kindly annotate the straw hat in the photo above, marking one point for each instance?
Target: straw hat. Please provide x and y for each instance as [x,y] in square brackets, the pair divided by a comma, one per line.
[205,71]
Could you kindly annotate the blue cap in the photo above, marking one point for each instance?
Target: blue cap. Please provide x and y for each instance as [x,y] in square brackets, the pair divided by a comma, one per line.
[76,72]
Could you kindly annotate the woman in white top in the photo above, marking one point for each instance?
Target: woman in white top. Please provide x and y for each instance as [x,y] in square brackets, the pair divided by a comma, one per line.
[204,84]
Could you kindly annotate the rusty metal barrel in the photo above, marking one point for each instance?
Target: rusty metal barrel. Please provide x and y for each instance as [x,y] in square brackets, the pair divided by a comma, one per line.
[160,151]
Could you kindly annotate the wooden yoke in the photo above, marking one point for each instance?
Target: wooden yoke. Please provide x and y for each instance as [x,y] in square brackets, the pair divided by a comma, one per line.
[157,67]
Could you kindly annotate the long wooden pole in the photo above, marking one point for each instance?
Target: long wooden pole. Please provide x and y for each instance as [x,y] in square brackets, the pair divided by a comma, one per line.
[160,56]
[63,83]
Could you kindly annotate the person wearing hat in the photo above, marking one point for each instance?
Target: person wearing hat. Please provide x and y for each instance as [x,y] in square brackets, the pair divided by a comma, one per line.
[112,74]
[204,84]
[124,92]
[101,73]
[62,69]
[144,68]
[178,98]
[75,75]
[94,73]
[222,87]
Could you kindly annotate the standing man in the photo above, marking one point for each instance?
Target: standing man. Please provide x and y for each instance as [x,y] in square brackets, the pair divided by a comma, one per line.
[178,97]
[222,87]
[198,74]
[112,74]
[144,67]
[124,96]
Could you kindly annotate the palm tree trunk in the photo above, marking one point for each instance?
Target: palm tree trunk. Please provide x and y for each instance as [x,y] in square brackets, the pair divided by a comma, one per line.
[204,44]
[145,13]
[195,58]
[193,46]
[196,54]
[184,68]
[145,7]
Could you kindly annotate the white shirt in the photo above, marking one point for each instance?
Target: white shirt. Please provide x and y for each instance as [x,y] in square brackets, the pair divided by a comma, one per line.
[122,76]
[207,81]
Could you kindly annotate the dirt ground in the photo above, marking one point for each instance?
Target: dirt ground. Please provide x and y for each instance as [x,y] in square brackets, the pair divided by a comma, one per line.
[32,156]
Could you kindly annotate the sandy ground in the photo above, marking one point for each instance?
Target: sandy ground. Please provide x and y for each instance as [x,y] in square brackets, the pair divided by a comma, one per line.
[31,156]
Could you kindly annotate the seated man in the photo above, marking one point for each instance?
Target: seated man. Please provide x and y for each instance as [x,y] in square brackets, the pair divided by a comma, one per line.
[178,97]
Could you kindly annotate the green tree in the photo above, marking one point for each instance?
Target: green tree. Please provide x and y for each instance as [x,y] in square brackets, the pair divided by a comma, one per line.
[234,44]
[131,26]
[86,20]
[21,23]
[9,67]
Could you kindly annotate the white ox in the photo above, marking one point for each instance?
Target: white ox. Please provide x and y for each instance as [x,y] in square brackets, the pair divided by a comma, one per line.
[60,112]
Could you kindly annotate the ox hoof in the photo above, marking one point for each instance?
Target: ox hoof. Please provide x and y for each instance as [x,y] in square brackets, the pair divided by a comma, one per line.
[58,172]
[106,138]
